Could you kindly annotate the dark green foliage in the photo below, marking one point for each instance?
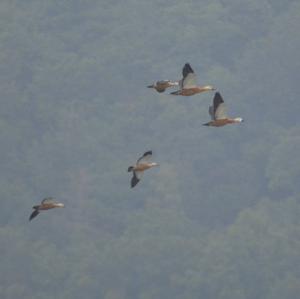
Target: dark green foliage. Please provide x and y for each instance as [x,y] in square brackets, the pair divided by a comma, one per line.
[219,218]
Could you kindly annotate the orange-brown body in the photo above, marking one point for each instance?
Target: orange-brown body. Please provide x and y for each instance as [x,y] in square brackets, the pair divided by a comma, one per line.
[221,122]
[143,166]
[191,91]
[48,206]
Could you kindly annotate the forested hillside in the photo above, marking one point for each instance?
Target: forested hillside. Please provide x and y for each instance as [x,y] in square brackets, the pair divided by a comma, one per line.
[218,219]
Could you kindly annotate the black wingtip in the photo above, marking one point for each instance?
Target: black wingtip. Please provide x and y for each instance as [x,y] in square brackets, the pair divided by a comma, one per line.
[134,181]
[33,214]
[218,97]
[206,124]
[148,153]
[187,69]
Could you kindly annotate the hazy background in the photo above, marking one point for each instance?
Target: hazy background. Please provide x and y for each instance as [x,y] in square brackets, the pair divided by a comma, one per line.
[220,217]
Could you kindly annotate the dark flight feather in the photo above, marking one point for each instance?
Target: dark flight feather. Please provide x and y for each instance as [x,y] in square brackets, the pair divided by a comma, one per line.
[217,101]
[187,69]
[134,180]
[34,214]
[148,153]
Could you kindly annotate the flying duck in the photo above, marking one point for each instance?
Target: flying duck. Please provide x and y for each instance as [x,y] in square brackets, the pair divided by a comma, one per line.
[161,86]
[188,84]
[218,113]
[46,204]
[141,165]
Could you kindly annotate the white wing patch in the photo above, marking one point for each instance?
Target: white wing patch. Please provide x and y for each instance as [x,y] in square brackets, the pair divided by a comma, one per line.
[189,81]
[145,158]
[48,200]
[211,112]
[221,112]
[139,174]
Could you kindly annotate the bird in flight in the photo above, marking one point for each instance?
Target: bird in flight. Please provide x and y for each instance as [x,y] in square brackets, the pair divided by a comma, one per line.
[218,113]
[161,86]
[188,84]
[46,204]
[141,165]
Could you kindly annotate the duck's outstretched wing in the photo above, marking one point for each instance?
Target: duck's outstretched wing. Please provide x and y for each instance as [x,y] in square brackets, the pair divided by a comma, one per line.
[134,179]
[211,112]
[189,79]
[34,214]
[220,111]
[48,200]
[145,157]
[187,69]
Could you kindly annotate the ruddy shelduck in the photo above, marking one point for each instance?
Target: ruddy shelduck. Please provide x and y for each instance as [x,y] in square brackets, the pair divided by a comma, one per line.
[161,86]
[141,165]
[188,84]
[46,204]
[218,113]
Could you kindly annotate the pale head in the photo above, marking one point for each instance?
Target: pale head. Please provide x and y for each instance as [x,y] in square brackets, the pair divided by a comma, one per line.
[238,120]
[59,205]
[209,87]
[153,164]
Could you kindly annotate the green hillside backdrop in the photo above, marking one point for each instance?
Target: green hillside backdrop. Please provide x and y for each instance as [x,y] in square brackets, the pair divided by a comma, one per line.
[218,219]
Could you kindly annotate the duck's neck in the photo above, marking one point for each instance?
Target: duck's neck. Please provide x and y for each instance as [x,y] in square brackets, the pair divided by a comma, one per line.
[153,164]
[237,120]
[208,87]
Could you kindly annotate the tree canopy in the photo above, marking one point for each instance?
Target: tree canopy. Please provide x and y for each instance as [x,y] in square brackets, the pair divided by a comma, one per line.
[219,218]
